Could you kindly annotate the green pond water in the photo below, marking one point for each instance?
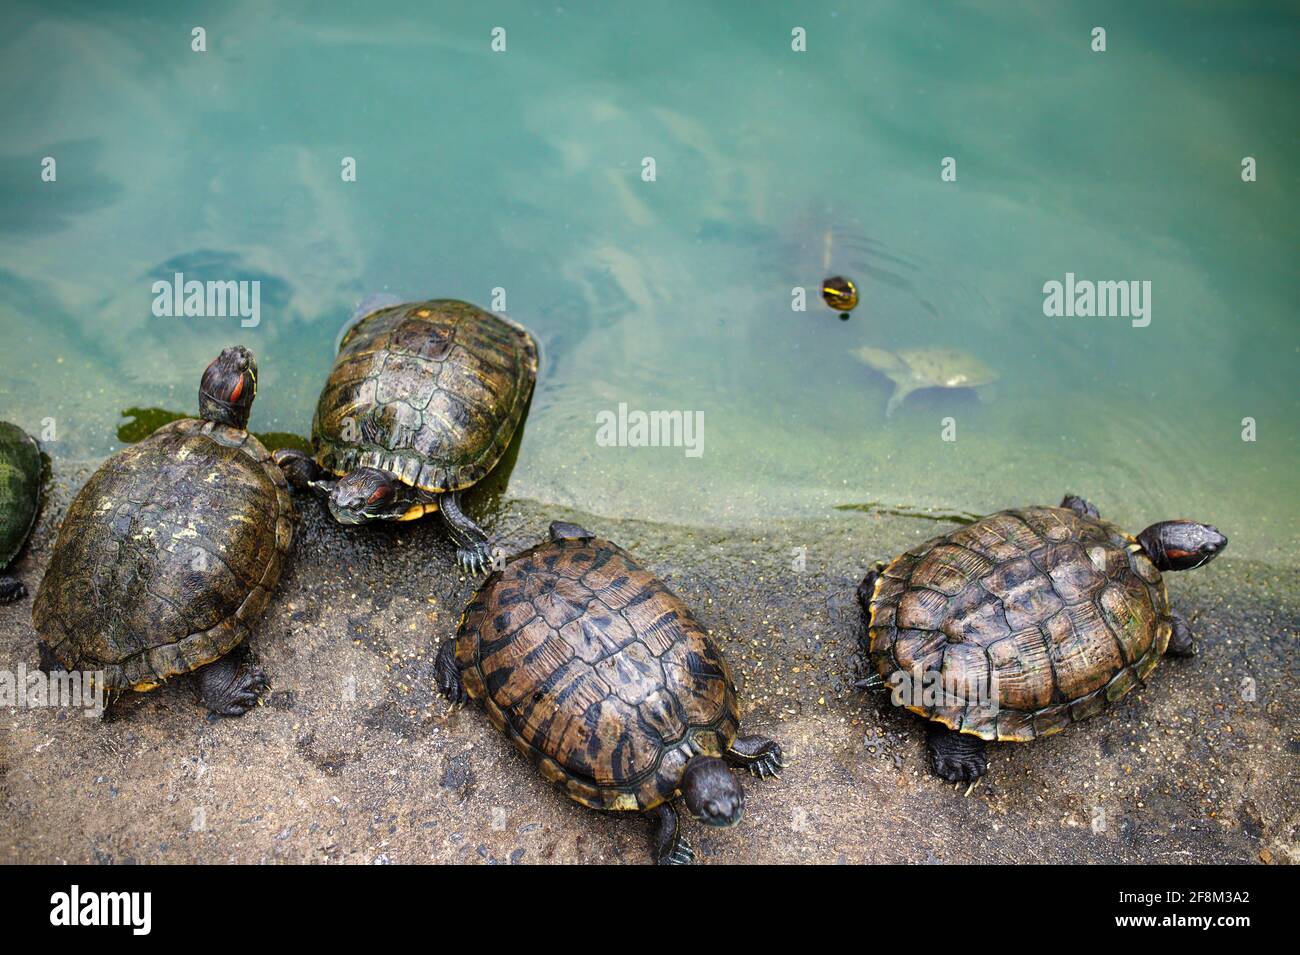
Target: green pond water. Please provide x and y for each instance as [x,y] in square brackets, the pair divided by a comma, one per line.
[523,170]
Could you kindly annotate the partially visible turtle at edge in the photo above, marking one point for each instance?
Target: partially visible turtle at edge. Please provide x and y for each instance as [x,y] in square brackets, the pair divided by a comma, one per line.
[423,400]
[20,501]
[912,369]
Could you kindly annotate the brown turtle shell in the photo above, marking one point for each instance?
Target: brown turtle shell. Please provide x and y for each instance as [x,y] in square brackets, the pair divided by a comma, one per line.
[431,391]
[597,672]
[1054,614]
[167,556]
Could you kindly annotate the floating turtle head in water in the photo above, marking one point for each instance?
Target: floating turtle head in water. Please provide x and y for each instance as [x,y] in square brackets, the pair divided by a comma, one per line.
[840,294]
[912,369]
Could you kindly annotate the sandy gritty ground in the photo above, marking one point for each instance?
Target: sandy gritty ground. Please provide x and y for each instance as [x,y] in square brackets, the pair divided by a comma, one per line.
[354,758]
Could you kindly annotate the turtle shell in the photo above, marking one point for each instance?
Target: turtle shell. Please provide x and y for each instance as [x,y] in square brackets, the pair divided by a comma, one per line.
[167,556]
[432,392]
[20,489]
[1031,619]
[597,672]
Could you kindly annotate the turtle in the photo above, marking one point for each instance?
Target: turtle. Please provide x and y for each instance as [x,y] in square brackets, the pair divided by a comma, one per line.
[21,470]
[171,551]
[911,369]
[603,678]
[422,401]
[1025,622]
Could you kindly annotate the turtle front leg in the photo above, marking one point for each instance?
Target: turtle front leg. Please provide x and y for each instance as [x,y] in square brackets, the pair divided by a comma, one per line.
[760,755]
[1181,642]
[299,469]
[447,674]
[670,846]
[955,757]
[473,552]
[11,589]
[231,685]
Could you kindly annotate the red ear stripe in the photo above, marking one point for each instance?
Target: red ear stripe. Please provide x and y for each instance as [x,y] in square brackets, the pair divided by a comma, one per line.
[1178,554]
[239,389]
[378,495]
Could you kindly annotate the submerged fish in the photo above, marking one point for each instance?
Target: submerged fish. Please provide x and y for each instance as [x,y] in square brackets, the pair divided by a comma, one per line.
[912,369]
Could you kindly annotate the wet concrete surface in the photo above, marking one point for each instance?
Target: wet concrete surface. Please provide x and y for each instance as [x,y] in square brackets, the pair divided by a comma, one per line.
[354,758]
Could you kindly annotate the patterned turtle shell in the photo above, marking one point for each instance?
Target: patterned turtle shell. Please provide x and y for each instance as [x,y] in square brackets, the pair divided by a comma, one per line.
[1033,619]
[432,392]
[597,672]
[167,556]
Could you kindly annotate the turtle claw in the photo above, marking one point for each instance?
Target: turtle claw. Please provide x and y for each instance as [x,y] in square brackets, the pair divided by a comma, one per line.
[476,559]
[680,854]
[768,765]
[958,769]
[454,694]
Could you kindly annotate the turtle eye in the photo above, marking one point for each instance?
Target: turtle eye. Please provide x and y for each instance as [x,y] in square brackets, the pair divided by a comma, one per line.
[379,494]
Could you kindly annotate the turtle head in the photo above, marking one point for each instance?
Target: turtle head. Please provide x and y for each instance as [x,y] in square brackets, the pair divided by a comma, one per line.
[365,494]
[712,792]
[1181,545]
[228,388]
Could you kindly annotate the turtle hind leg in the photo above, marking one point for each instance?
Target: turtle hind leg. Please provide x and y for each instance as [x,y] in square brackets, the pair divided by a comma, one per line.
[902,388]
[760,755]
[473,552]
[1080,506]
[231,685]
[11,589]
[670,846]
[955,757]
[447,674]
[1181,643]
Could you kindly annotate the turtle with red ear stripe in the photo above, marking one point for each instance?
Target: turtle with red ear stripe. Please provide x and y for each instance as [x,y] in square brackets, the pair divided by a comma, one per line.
[421,404]
[1024,623]
[170,553]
